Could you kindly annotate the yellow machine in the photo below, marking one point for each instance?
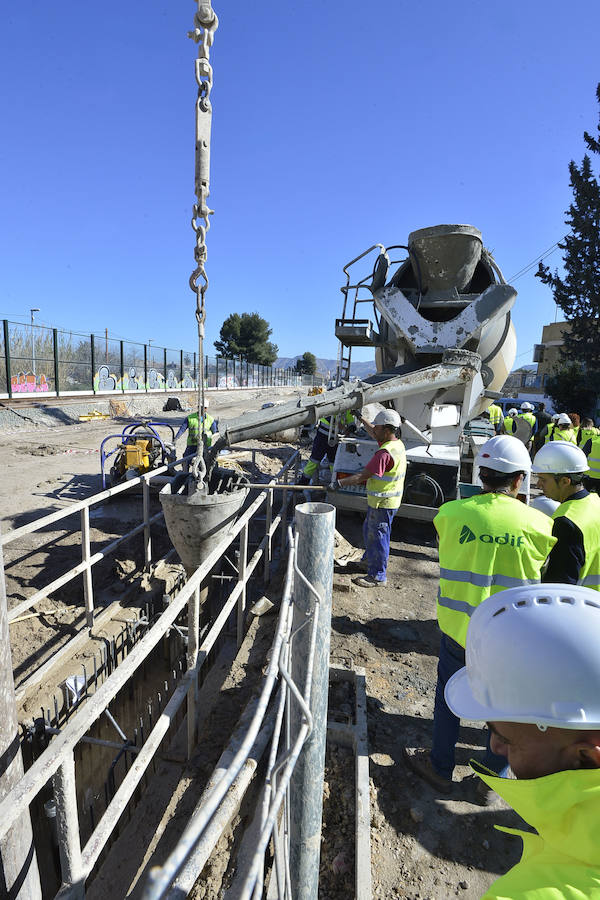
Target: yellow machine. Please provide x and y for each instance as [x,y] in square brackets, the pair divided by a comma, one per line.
[139,448]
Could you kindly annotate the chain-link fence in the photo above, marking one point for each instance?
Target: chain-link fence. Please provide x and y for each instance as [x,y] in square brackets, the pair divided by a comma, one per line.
[36,359]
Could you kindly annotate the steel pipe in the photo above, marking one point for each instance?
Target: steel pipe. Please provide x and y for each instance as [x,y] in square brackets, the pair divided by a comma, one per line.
[315,523]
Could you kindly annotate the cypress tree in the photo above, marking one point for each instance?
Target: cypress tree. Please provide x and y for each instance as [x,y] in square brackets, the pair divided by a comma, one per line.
[577,291]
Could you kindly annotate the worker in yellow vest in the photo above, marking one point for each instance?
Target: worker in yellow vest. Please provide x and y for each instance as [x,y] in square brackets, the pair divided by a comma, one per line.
[509,420]
[586,432]
[384,479]
[527,413]
[191,424]
[533,674]
[496,417]
[575,558]
[563,430]
[592,451]
[322,448]
[487,543]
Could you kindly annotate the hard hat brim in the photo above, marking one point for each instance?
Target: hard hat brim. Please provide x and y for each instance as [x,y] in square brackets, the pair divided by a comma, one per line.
[460,700]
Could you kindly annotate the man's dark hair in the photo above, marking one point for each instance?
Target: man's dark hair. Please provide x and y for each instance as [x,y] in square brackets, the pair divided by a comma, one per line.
[498,480]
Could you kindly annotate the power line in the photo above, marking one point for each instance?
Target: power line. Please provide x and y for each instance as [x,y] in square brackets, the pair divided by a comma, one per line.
[537,260]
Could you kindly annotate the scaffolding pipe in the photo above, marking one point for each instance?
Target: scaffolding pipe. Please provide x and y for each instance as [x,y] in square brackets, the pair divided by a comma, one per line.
[19,874]
[315,524]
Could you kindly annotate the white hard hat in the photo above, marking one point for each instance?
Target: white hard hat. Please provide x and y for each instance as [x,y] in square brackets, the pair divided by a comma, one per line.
[532,656]
[504,453]
[563,419]
[526,405]
[513,411]
[555,417]
[387,417]
[560,458]
[543,504]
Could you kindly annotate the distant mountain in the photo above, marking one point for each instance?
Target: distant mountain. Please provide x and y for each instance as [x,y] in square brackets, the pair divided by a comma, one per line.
[327,367]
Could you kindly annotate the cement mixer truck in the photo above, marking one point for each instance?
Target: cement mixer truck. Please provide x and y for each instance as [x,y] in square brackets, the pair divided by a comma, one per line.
[447,293]
[443,343]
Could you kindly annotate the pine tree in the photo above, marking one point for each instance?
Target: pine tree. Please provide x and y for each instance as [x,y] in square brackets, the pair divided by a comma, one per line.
[577,291]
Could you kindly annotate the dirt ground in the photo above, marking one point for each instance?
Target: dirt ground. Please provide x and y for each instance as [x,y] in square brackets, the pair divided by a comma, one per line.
[423,846]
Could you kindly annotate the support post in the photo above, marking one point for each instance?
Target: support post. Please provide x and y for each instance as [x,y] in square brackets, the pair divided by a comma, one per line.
[284,514]
[181,368]
[56,372]
[193,635]
[146,515]
[241,604]
[165,366]
[146,367]
[88,587]
[315,527]
[122,365]
[67,824]
[269,543]
[7,358]
[93,361]
[19,874]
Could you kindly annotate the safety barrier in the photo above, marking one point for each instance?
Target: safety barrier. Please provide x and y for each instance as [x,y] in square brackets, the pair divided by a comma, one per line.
[57,762]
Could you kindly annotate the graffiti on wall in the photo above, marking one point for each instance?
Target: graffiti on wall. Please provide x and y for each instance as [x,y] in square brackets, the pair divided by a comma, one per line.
[133,380]
[28,383]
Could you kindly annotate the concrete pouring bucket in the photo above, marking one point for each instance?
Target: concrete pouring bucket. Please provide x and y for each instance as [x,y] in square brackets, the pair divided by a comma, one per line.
[198,522]
[447,256]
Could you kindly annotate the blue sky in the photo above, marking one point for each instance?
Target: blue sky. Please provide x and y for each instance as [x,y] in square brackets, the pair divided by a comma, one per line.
[335,126]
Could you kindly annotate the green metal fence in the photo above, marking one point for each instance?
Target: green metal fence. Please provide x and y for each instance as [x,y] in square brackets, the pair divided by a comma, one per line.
[36,359]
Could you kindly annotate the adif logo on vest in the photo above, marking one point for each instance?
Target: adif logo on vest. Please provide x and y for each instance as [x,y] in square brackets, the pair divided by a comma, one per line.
[466,535]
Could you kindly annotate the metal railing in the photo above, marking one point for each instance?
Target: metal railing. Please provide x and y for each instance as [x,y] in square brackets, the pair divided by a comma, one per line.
[57,762]
[288,724]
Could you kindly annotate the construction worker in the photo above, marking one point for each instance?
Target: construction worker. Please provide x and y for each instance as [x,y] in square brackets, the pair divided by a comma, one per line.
[321,447]
[210,426]
[592,450]
[496,417]
[586,432]
[527,414]
[563,430]
[487,543]
[384,478]
[575,558]
[542,420]
[533,674]
[509,420]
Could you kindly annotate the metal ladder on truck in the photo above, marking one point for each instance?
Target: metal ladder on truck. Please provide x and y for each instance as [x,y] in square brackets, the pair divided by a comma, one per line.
[353,331]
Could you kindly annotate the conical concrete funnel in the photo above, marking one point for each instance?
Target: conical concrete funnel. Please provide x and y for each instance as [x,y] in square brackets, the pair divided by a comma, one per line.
[447,255]
[198,522]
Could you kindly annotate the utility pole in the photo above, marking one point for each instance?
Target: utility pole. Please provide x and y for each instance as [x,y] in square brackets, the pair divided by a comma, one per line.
[19,874]
[32,311]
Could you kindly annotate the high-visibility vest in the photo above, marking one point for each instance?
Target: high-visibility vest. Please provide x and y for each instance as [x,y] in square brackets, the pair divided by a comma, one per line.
[585,513]
[324,422]
[561,861]
[594,458]
[563,434]
[386,491]
[585,434]
[509,424]
[488,542]
[529,417]
[495,413]
[194,430]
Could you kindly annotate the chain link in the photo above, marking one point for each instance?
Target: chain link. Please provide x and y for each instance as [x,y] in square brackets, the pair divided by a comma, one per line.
[205,25]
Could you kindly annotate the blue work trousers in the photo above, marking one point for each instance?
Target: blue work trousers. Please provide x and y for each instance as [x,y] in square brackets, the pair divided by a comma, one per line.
[445,724]
[377,529]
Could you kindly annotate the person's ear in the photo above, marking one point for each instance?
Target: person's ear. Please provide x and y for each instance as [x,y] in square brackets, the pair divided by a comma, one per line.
[588,752]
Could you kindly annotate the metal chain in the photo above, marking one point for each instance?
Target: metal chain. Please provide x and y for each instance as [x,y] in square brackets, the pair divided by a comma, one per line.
[205,25]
